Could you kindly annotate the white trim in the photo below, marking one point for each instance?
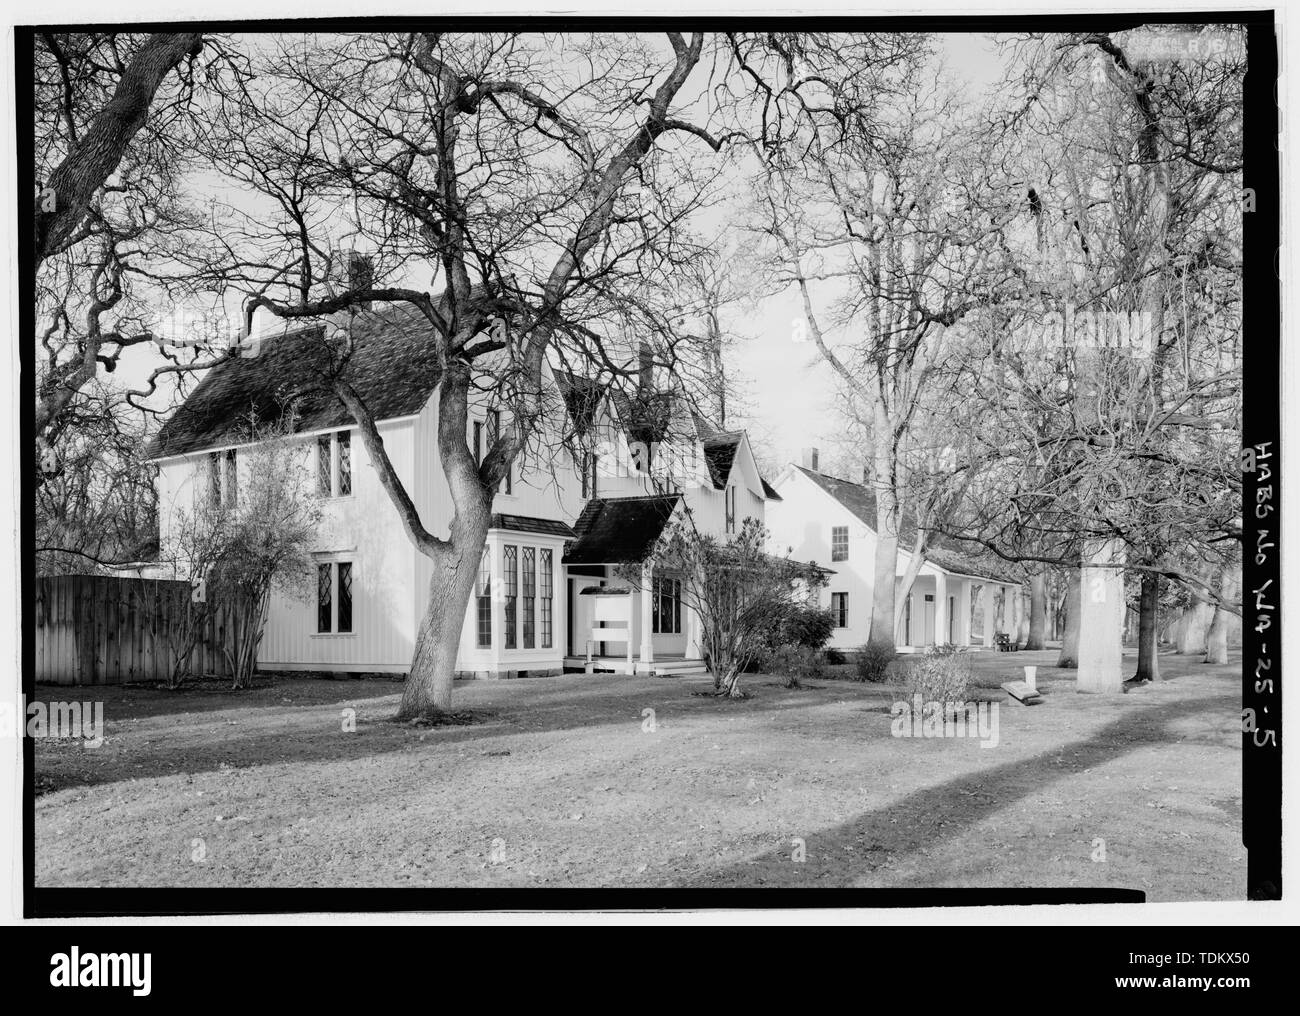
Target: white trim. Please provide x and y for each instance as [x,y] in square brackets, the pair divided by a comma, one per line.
[193,453]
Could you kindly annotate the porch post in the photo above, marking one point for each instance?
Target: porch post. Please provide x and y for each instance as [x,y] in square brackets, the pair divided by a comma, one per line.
[987,591]
[963,611]
[647,641]
[940,609]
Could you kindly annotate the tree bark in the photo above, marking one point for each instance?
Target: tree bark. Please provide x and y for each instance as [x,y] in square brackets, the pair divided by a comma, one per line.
[1192,631]
[888,511]
[95,156]
[428,686]
[1037,611]
[913,569]
[1216,640]
[1148,659]
[1072,607]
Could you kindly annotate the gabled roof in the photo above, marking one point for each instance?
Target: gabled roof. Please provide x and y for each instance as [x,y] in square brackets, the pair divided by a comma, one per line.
[861,502]
[581,399]
[720,454]
[393,367]
[619,530]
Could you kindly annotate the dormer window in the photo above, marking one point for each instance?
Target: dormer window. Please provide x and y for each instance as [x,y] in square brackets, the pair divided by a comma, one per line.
[334,464]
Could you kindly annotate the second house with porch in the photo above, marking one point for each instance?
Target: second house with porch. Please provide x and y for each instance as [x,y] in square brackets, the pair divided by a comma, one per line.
[565,580]
[953,599]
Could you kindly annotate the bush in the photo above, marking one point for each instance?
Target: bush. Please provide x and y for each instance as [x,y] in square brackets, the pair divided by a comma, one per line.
[873,661]
[804,625]
[793,664]
[834,657]
[939,677]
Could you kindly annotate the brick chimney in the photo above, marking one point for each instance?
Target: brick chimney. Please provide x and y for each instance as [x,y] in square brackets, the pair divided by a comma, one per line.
[361,274]
[808,459]
[645,379]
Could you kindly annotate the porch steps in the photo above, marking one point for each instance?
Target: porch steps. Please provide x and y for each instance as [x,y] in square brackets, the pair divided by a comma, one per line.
[679,668]
[671,667]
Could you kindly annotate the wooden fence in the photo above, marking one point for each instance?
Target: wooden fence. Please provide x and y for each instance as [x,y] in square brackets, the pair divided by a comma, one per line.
[98,629]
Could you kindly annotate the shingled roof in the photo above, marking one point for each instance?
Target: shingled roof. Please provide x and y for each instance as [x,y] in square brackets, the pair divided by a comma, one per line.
[620,529]
[528,524]
[393,367]
[859,500]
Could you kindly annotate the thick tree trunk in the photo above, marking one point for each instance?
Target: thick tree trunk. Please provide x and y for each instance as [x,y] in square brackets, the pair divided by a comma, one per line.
[913,569]
[729,684]
[888,511]
[1216,640]
[1022,629]
[1072,607]
[427,691]
[1101,619]
[883,592]
[1196,622]
[1148,658]
[1036,638]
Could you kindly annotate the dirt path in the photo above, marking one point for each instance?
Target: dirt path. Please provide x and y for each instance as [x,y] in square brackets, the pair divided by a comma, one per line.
[570,782]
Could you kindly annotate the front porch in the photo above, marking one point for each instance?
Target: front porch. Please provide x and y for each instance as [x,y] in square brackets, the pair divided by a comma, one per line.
[959,610]
[660,666]
[617,626]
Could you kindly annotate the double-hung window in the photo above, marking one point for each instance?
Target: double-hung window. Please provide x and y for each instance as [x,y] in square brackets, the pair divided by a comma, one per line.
[546,591]
[840,609]
[493,432]
[510,587]
[334,597]
[484,602]
[223,479]
[666,606]
[587,466]
[530,597]
[839,543]
[334,464]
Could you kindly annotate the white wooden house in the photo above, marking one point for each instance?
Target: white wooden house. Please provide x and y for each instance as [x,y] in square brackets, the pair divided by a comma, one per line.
[615,471]
[831,521]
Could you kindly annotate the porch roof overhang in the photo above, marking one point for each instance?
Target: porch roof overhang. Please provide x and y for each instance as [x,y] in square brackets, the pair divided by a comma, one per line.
[620,530]
[528,524]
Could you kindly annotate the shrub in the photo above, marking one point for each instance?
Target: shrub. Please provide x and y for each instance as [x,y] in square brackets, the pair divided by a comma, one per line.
[834,657]
[793,664]
[873,661]
[939,677]
[801,624]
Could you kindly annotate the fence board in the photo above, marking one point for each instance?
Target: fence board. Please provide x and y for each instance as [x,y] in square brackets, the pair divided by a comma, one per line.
[98,629]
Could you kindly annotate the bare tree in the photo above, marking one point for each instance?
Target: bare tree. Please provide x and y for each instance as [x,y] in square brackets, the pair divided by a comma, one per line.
[532,176]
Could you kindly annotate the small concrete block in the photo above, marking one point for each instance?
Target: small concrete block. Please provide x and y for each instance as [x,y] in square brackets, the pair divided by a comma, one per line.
[1021,692]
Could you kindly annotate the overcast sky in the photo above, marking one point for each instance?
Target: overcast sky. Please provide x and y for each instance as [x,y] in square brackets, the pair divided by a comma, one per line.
[788,399]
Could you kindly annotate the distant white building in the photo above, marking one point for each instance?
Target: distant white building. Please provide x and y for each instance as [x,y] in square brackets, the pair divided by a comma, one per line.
[561,530]
[831,522]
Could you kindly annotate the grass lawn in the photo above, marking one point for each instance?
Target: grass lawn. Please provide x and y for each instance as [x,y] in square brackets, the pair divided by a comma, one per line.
[561,782]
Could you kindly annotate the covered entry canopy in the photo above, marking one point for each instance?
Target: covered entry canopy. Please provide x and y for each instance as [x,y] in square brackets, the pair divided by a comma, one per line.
[620,530]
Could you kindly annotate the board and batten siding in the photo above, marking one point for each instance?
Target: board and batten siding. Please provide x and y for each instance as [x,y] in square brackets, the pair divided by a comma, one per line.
[362,528]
